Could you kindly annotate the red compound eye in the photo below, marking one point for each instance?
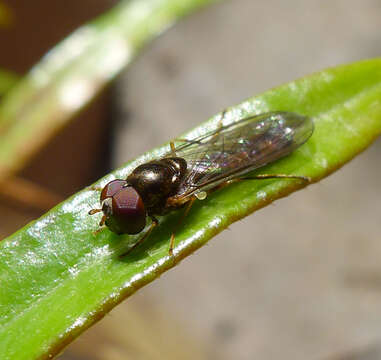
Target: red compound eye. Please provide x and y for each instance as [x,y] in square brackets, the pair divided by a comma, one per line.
[112,188]
[128,210]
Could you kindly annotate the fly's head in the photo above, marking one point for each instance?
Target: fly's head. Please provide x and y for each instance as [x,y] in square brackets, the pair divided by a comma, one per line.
[123,208]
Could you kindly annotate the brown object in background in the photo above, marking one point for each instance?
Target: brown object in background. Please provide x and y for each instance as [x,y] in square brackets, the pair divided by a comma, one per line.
[79,154]
[40,24]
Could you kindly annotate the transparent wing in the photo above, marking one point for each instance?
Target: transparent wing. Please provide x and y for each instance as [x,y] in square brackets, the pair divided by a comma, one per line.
[235,149]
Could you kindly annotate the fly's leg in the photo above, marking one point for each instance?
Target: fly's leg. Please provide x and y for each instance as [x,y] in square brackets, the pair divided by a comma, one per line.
[101,223]
[266,176]
[95,211]
[219,126]
[173,148]
[188,141]
[103,220]
[221,121]
[186,212]
[223,113]
[277,176]
[154,223]
[213,139]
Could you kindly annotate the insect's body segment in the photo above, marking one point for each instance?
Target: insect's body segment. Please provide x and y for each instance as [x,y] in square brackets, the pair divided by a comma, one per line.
[158,180]
[200,165]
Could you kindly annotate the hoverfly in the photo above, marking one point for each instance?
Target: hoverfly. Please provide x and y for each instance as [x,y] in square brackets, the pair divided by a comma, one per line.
[198,166]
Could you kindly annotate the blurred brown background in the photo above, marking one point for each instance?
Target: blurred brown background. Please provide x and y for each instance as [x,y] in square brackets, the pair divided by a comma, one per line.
[298,280]
[34,28]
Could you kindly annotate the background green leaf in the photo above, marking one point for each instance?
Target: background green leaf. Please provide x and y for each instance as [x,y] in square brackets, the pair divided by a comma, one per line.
[75,71]
[58,277]
[7,80]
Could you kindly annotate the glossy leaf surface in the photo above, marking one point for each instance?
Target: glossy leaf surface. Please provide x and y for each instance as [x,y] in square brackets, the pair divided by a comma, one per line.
[58,277]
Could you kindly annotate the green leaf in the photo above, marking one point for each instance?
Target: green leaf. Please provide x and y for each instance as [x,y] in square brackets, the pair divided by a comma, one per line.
[7,80]
[58,277]
[75,71]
